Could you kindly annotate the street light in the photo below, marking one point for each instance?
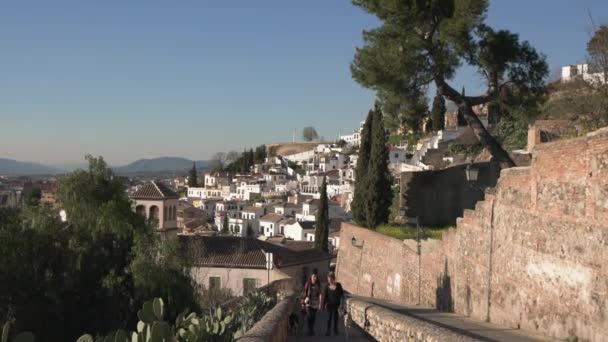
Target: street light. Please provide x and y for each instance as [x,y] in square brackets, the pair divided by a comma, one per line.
[471,172]
[353,241]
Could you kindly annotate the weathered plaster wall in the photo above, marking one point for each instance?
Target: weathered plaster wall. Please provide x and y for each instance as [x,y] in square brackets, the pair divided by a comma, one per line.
[547,263]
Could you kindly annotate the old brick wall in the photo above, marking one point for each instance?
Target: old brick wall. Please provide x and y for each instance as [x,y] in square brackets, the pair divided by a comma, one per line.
[439,197]
[540,240]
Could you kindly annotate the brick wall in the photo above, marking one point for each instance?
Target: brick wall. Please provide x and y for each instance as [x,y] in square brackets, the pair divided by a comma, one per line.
[438,197]
[547,263]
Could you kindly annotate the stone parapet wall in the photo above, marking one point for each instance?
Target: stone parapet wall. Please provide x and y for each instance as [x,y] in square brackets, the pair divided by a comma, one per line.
[387,326]
[532,255]
[274,325]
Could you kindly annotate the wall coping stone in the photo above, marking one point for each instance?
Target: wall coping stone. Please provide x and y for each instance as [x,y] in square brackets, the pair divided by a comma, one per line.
[372,318]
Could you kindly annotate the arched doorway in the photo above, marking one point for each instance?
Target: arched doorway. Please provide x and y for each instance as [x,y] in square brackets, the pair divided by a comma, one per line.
[141,210]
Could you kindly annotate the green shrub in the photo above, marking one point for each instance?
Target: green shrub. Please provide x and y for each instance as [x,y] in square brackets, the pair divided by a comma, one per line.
[404,232]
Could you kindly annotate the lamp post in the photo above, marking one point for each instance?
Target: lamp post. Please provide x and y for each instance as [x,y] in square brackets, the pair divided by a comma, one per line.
[472,174]
[414,220]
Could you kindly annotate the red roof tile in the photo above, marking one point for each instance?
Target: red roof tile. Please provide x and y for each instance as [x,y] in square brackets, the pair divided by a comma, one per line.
[154,190]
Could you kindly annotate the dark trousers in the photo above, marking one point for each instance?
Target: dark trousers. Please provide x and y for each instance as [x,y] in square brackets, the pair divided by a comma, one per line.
[311,314]
[333,316]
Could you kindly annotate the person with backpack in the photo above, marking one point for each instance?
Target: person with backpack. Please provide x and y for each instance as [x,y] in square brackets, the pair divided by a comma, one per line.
[311,300]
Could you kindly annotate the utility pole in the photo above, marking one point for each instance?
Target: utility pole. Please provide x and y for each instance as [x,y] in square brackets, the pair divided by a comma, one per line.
[269,264]
[294,136]
[419,245]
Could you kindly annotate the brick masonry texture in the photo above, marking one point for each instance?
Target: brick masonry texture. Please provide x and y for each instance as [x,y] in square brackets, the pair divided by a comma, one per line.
[540,240]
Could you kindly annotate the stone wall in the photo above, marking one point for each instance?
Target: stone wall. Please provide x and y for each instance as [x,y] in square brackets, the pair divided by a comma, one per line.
[548,130]
[439,197]
[532,255]
[387,326]
[274,325]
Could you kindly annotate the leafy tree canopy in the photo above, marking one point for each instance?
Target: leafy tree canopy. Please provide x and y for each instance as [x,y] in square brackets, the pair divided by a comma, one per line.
[310,134]
[424,42]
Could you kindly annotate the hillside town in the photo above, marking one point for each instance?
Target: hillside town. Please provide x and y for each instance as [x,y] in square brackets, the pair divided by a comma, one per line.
[443,213]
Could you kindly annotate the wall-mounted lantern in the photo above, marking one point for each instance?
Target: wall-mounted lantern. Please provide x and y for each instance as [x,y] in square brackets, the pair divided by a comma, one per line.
[355,243]
[472,173]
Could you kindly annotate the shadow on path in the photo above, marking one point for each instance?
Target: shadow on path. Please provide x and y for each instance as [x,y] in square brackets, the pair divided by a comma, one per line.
[355,333]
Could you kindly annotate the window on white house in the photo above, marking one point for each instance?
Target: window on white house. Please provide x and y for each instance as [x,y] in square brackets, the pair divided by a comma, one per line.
[249,285]
[215,283]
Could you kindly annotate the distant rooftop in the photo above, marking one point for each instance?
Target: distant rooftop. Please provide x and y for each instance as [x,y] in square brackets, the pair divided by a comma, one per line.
[154,191]
[237,252]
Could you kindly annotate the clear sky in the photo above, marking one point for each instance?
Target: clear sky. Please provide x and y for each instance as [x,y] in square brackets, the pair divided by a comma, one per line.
[145,78]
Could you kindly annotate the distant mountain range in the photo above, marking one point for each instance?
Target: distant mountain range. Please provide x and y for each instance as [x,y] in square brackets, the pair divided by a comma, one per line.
[15,167]
[162,164]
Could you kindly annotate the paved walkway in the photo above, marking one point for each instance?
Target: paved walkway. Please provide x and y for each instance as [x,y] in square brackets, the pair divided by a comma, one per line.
[464,325]
[355,333]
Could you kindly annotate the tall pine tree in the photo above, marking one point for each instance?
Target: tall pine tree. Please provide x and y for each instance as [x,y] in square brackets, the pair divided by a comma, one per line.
[379,192]
[193,177]
[358,204]
[322,224]
[438,113]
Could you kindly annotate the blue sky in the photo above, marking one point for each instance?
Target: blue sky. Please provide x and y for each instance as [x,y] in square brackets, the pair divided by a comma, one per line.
[142,78]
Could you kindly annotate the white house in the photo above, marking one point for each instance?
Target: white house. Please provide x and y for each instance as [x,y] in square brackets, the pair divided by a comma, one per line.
[397,155]
[196,192]
[354,139]
[270,224]
[248,189]
[215,180]
[231,208]
[309,210]
[288,209]
[240,264]
[582,71]
[298,230]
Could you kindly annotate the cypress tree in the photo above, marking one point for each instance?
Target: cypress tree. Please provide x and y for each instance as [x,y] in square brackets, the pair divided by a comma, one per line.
[438,113]
[379,192]
[322,229]
[192,177]
[358,202]
[251,160]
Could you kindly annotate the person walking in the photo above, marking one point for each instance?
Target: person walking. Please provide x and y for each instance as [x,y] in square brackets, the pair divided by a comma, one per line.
[312,300]
[332,298]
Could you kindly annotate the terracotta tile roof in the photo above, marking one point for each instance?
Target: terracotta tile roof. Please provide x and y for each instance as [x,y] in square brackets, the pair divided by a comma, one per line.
[298,245]
[289,221]
[272,218]
[252,209]
[196,223]
[313,202]
[237,252]
[307,224]
[154,190]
